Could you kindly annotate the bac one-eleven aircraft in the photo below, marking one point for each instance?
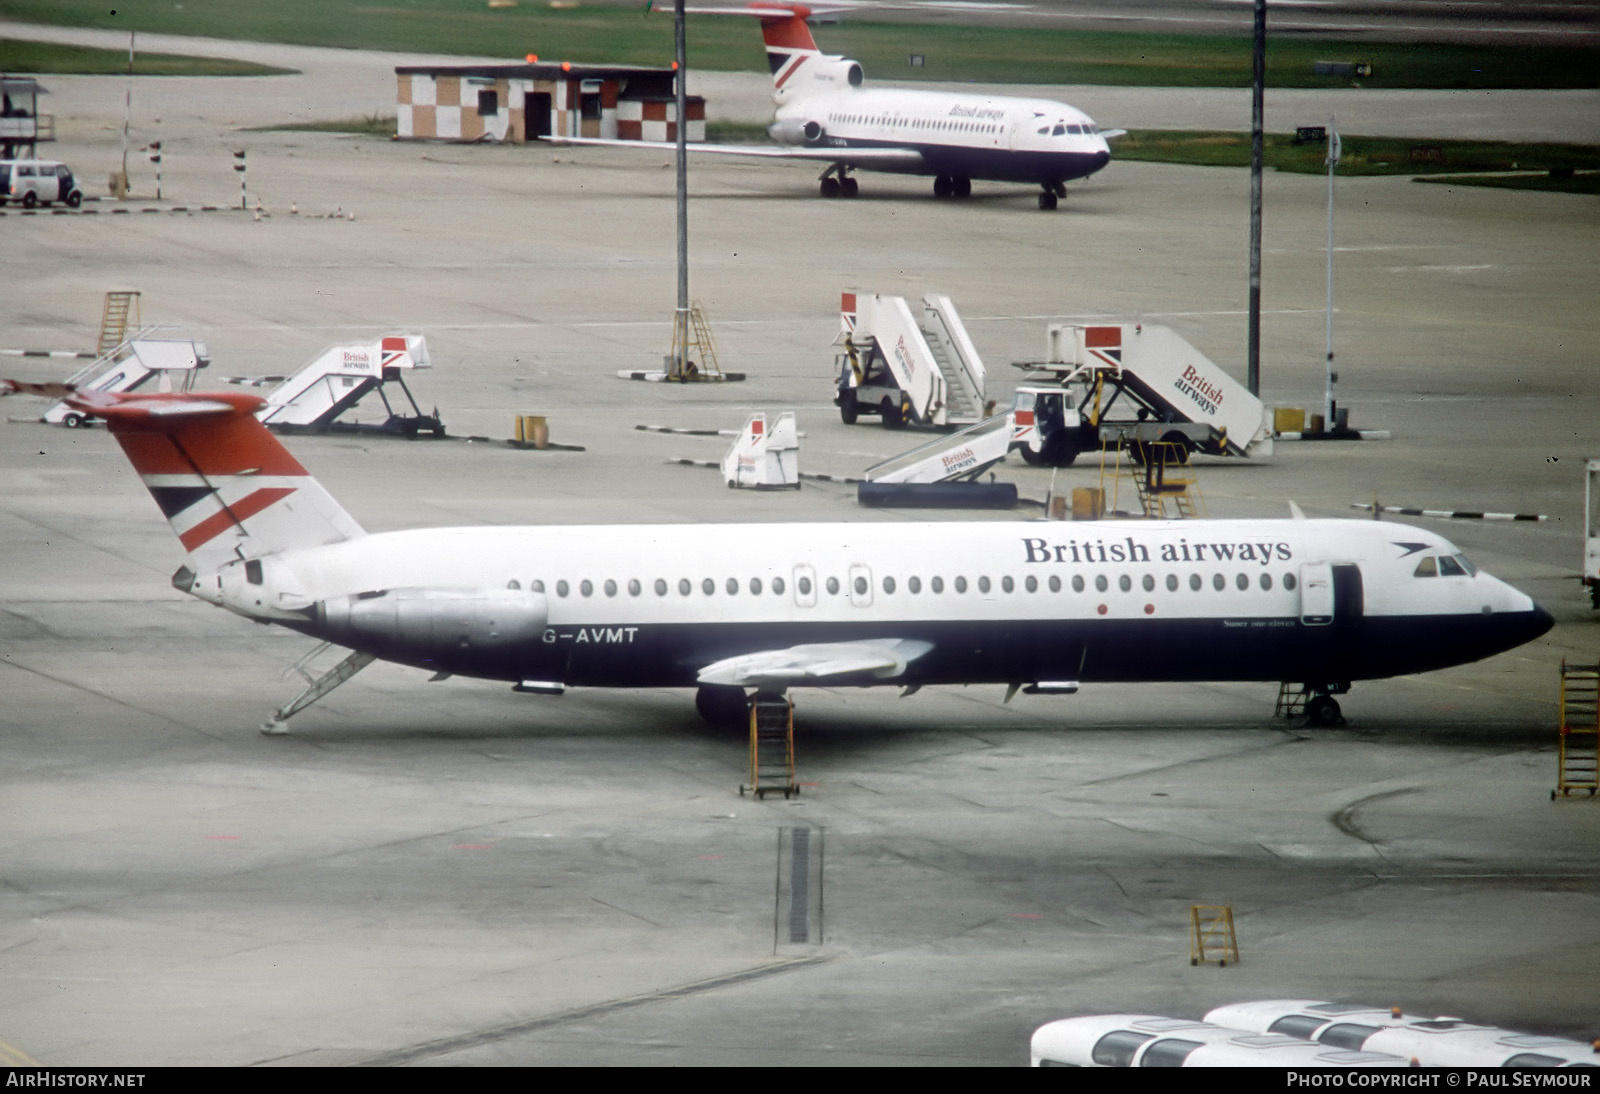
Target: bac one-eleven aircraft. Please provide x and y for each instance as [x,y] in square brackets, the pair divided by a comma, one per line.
[1036,606]
[825,114]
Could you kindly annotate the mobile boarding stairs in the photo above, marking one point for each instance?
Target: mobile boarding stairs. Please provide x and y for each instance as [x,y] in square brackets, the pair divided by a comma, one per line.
[131,363]
[907,367]
[315,398]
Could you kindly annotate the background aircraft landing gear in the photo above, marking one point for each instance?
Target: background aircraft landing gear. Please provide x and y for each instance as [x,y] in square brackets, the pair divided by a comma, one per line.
[836,182]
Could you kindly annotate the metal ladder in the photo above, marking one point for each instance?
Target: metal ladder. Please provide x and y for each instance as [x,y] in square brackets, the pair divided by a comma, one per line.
[692,335]
[1162,480]
[1291,700]
[771,747]
[1165,479]
[114,316]
[1578,767]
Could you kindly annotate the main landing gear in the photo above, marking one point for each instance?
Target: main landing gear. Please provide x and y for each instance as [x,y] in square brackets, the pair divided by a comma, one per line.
[721,705]
[952,186]
[1052,191]
[837,182]
[1315,701]
[1323,710]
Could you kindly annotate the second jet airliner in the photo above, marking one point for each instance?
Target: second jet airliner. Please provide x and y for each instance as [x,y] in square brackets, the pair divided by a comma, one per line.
[826,114]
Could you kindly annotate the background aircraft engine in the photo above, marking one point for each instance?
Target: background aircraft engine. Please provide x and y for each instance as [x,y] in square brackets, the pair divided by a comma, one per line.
[436,626]
[795,131]
[839,71]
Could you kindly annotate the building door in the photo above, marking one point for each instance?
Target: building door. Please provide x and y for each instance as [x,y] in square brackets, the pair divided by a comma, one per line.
[536,115]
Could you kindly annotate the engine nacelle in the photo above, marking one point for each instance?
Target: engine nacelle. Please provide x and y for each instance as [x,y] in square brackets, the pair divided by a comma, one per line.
[816,75]
[441,626]
[795,131]
[837,72]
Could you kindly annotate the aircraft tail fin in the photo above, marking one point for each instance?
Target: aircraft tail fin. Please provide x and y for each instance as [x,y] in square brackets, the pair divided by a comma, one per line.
[228,487]
[791,51]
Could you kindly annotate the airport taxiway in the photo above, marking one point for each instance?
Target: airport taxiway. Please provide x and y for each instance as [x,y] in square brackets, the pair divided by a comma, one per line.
[449,873]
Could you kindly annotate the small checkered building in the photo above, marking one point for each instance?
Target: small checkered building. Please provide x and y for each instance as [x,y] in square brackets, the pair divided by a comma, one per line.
[523,102]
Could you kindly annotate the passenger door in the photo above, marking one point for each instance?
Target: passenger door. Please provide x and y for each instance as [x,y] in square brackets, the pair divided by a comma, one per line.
[1316,594]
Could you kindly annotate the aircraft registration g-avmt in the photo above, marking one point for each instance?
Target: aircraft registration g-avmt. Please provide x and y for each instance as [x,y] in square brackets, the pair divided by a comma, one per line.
[1036,606]
[825,114]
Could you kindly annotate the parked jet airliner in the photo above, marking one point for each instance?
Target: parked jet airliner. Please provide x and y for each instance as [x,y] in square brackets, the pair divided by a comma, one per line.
[1038,606]
[825,114]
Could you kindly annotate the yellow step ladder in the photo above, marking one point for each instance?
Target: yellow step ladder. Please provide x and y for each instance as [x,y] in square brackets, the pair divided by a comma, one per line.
[119,307]
[694,353]
[1211,935]
[1162,479]
[771,747]
[1166,480]
[1578,768]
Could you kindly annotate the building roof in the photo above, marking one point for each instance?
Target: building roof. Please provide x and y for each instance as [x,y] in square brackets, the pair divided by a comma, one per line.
[543,70]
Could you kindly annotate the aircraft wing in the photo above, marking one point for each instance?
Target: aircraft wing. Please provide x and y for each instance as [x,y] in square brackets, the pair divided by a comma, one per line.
[817,663]
[882,158]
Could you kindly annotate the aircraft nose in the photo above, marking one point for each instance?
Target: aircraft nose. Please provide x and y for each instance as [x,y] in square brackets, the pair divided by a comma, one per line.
[1539,621]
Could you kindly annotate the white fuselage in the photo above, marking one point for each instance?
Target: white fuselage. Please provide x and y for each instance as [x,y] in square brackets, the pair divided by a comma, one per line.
[987,137]
[1016,602]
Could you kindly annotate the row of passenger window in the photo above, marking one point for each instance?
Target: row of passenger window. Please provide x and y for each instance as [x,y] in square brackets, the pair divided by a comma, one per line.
[918,123]
[914,585]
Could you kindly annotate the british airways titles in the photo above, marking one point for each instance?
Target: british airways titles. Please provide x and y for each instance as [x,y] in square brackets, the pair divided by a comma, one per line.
[1090,552]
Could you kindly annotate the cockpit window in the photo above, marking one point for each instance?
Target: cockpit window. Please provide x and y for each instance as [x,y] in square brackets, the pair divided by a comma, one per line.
[1059,130]
[1445,566]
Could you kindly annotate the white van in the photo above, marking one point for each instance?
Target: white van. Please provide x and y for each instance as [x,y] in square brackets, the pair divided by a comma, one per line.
[36,182]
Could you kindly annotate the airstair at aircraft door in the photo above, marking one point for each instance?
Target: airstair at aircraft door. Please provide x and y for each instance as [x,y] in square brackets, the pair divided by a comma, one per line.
[1578,766]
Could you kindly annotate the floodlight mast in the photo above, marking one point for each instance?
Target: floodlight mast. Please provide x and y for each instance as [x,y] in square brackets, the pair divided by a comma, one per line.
[678,366]
[1330,376]
[1258,66]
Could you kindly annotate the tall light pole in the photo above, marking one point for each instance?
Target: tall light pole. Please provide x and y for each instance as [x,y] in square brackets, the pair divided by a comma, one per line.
[678,366]
[1332,376]
[1257,111]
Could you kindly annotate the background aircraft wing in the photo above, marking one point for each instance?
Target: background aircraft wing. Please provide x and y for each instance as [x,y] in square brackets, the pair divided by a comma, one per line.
[883,158]
[817,663]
